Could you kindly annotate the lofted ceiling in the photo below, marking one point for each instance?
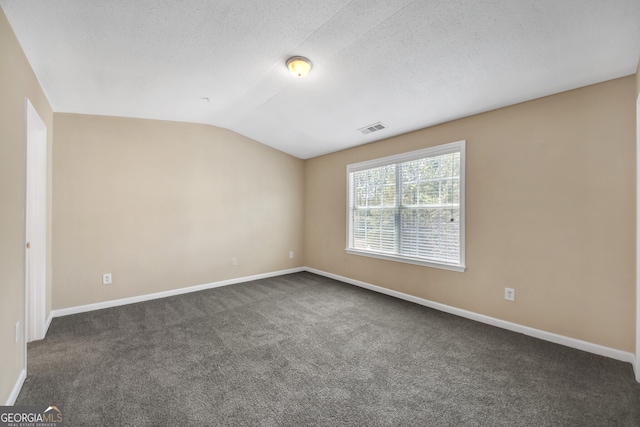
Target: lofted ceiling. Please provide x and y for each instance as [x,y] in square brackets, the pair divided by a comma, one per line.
[407,64]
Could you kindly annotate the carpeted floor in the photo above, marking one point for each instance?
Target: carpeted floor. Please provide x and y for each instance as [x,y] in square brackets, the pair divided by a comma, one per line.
[302,350]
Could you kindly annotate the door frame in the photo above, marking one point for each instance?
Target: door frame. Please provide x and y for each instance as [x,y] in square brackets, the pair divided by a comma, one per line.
[637,359]
[35,225]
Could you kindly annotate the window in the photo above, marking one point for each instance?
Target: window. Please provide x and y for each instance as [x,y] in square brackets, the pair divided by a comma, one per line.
[409,207]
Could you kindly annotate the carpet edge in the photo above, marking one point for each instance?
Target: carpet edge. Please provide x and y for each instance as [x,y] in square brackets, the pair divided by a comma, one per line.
[164,294]
[589,347]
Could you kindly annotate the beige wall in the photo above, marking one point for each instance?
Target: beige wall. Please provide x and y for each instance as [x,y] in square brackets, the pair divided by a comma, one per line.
[164,205]
[17,82]
[550,192]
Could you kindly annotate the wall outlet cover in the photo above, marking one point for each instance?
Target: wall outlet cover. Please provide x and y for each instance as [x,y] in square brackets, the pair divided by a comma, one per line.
[509,294]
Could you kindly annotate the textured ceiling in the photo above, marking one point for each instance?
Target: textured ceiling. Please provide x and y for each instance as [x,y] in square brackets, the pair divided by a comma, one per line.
[407,64]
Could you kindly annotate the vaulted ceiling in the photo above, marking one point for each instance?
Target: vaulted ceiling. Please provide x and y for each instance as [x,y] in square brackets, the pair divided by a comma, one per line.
[408,64]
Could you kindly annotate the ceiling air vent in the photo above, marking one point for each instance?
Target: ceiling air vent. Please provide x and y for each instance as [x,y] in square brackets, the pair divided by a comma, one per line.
[372,128]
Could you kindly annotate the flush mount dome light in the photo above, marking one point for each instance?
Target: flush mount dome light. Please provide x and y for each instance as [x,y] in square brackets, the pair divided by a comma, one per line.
[299,66]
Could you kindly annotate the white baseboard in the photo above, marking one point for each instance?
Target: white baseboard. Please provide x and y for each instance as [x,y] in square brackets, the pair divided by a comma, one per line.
[46,325]
[526,330]
[180,291]
[16,388]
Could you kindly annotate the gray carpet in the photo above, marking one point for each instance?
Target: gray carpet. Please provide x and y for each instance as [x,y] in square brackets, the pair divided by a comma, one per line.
[301,350]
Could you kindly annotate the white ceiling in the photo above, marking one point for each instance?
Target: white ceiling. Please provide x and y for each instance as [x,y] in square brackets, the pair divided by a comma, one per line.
[408,64]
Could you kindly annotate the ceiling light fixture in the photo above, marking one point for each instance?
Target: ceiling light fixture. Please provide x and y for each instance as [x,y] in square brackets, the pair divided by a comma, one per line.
[299,66]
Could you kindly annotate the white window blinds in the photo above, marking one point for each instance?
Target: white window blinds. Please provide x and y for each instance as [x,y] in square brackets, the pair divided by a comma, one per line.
[409,207]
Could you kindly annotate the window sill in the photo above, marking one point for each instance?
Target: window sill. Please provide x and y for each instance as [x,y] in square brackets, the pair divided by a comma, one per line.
[397,258]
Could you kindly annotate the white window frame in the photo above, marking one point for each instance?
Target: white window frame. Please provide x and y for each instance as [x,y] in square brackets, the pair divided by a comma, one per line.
[453,147]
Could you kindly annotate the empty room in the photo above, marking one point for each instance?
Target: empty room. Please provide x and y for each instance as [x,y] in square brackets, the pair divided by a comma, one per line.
[319,213]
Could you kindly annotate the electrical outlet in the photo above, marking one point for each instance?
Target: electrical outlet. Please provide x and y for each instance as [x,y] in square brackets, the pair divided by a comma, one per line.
[234,261]
[106,279]
[17,333]
[291,254]
[509,294]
